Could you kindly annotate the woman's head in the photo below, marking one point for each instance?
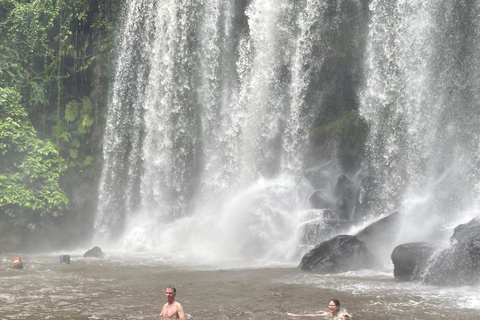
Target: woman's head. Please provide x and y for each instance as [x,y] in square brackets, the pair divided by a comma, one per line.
[334,305]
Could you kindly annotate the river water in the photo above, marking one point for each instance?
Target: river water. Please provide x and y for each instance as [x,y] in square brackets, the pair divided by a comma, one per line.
[130,287]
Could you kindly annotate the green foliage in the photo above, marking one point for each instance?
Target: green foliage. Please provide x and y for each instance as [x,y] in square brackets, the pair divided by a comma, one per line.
[350,130]
[27,53]
[9,105]
[71,132]
[52,56]
[44,45]
[30,168]
[354,133]
[71,111]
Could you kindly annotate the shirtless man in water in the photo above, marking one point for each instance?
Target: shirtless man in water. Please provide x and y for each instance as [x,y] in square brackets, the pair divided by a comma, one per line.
[172,309]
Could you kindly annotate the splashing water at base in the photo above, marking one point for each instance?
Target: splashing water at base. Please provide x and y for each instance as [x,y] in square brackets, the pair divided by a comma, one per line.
[259,225]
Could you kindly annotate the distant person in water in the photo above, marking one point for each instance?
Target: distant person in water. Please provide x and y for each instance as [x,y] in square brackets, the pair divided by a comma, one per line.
[333,312]
[172,309]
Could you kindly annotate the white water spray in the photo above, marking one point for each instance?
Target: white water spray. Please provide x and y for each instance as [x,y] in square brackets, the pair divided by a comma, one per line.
[421,98]
[207,129]
[212,106]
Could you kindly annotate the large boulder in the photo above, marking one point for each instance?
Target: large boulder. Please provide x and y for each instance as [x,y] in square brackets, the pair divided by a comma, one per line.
[340,254]
[321,199]
[380,236]
[411,259]
[460,264]
[95,252]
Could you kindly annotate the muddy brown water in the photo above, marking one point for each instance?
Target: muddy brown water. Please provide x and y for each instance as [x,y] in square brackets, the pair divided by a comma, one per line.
[119,287]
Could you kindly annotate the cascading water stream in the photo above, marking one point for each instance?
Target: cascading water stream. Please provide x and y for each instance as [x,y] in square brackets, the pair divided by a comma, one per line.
[421,98]
[208,127]
[213,104]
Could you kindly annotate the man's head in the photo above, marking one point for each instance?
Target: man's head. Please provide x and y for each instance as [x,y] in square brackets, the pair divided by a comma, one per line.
[170,293]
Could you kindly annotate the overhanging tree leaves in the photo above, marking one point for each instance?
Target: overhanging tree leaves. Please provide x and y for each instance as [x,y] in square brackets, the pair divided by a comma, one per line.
[30,168]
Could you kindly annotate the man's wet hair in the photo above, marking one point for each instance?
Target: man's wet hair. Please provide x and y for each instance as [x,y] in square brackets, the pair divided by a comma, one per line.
[173,288]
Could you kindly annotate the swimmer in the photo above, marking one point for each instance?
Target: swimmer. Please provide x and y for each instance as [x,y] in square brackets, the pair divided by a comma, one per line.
[333,311]
[172,309]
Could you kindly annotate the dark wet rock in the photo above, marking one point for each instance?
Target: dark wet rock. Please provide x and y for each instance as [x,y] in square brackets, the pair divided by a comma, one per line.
[364,201]
[95,252]
[345,193]
[319,178]
[411,259]
[343,207]
[381,234]
[381,229]
[321,199]
[345,187]
[458,265]
[466,234]
[339,254]
[320,226]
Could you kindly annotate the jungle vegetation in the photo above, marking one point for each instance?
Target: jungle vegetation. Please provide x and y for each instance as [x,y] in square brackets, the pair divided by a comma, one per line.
[53,77]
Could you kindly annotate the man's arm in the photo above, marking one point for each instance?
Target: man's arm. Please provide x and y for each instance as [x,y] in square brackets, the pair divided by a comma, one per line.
[180,312]
[162,314]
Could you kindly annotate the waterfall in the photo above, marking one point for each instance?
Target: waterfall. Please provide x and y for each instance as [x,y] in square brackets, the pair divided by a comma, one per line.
[213,104]
[207,134]
[421,97]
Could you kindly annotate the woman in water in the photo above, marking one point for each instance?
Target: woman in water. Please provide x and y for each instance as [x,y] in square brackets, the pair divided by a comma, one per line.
[333,312]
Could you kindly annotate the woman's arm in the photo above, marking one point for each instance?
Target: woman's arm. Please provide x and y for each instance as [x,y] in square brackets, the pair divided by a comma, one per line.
[308,314]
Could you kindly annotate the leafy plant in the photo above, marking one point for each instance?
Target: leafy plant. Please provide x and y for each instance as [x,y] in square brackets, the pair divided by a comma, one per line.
[72,130]
[53,57]
[30,168]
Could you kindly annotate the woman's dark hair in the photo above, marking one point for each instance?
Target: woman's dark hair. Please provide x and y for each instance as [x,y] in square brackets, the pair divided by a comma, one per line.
[337,303]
